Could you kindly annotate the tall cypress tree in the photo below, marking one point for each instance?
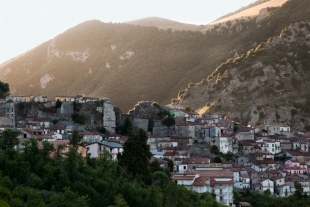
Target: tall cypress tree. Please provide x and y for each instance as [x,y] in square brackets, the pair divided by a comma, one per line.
[136,154]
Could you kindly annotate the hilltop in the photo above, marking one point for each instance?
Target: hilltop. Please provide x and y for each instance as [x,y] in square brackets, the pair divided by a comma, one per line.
[165,24]
[250,12]
[246,12]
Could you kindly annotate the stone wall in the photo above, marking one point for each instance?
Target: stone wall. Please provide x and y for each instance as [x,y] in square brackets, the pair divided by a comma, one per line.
[66,108]
[141,123]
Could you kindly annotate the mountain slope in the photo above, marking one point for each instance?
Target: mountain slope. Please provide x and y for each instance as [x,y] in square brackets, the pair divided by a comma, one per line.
[123,62]
[268,84]
[130,63]
[250,12]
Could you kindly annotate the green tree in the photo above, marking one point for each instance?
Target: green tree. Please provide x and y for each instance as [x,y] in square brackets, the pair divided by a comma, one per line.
[214,149]
[8,139]
[217,160]
[119,201]
[169,121]
[127,127]
[298,190]
[21,106]
[101,129]
[155,166]
[78,118]
[68,199]
[76,138]
[58,104]
[4,89]
[47,149]
[136,154]
[170,164]
[76,106]
[4,204]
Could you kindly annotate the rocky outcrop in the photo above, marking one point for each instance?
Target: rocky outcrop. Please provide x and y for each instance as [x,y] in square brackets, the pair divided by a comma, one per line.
[262,14]
[144,110]
[266,85]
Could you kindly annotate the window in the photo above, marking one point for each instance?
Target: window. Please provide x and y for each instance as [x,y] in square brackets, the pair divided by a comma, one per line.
[184,167]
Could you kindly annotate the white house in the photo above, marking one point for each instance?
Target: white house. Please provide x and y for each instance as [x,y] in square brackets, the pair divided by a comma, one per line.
[281,189]
[98,148]
[224,143]
[273,147]
[241,178]
[40,98]
[193,163]
[91,137]
[219,181]
[263,185]
[279,129]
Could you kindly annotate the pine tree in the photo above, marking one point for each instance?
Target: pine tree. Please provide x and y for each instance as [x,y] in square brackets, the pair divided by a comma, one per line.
[136,154]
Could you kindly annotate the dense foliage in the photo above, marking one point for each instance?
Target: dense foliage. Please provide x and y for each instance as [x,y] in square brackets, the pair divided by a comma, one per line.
[4,89]
[33,178]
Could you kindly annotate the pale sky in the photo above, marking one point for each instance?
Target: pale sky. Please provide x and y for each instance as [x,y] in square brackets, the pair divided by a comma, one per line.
[26,24]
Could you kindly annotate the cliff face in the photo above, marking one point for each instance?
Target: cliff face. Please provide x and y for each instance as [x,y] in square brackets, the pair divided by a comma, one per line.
[268,84]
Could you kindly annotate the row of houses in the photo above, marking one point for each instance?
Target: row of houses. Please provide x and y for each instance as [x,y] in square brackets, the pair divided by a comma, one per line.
[16,98]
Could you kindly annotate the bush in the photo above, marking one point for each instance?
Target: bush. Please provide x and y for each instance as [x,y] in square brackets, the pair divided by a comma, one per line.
[21,106]
[293,112]
[78,118]
[218,159]
[76,106]
[156,105]
[101,129]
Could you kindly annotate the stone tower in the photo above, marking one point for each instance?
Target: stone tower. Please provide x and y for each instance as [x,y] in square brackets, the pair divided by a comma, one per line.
[109,119]
[10,111]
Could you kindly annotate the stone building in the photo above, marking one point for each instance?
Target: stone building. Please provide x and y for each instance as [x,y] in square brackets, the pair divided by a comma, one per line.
[66,108]
[109,119]
[10,110]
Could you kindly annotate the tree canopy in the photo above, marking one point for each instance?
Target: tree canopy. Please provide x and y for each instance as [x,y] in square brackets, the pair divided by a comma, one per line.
[32,177]
[8,139]
[136,155]
[4,89]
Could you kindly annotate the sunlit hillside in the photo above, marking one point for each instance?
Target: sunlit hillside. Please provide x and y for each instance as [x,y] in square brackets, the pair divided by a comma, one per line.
[253,11]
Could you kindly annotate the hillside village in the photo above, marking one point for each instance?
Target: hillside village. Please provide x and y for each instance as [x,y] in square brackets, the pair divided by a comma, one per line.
[210,152]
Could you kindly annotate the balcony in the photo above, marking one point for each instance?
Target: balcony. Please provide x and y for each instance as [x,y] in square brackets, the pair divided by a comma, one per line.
[220,187]
[221,193]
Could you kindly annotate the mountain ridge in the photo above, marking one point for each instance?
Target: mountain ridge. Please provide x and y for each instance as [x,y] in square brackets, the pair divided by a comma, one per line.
[265,85]
[130,63]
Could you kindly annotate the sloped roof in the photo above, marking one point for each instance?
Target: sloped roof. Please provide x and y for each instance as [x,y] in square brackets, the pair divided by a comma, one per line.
[196,160]
[111,144]
[200,181]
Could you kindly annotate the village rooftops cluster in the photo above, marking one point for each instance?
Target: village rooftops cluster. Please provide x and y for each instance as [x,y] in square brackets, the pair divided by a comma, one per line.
[265,157]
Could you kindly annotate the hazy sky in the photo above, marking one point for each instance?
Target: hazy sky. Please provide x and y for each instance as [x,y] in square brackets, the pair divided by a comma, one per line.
[26,24]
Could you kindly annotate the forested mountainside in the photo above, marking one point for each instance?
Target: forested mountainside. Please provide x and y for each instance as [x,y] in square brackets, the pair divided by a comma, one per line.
[133,63]
[268,84]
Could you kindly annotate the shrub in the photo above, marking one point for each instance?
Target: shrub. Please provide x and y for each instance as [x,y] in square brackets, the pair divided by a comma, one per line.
[293,112]
[78,118]
[21,106]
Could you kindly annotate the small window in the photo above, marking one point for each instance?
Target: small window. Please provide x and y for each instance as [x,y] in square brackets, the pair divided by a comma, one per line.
[184,167]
